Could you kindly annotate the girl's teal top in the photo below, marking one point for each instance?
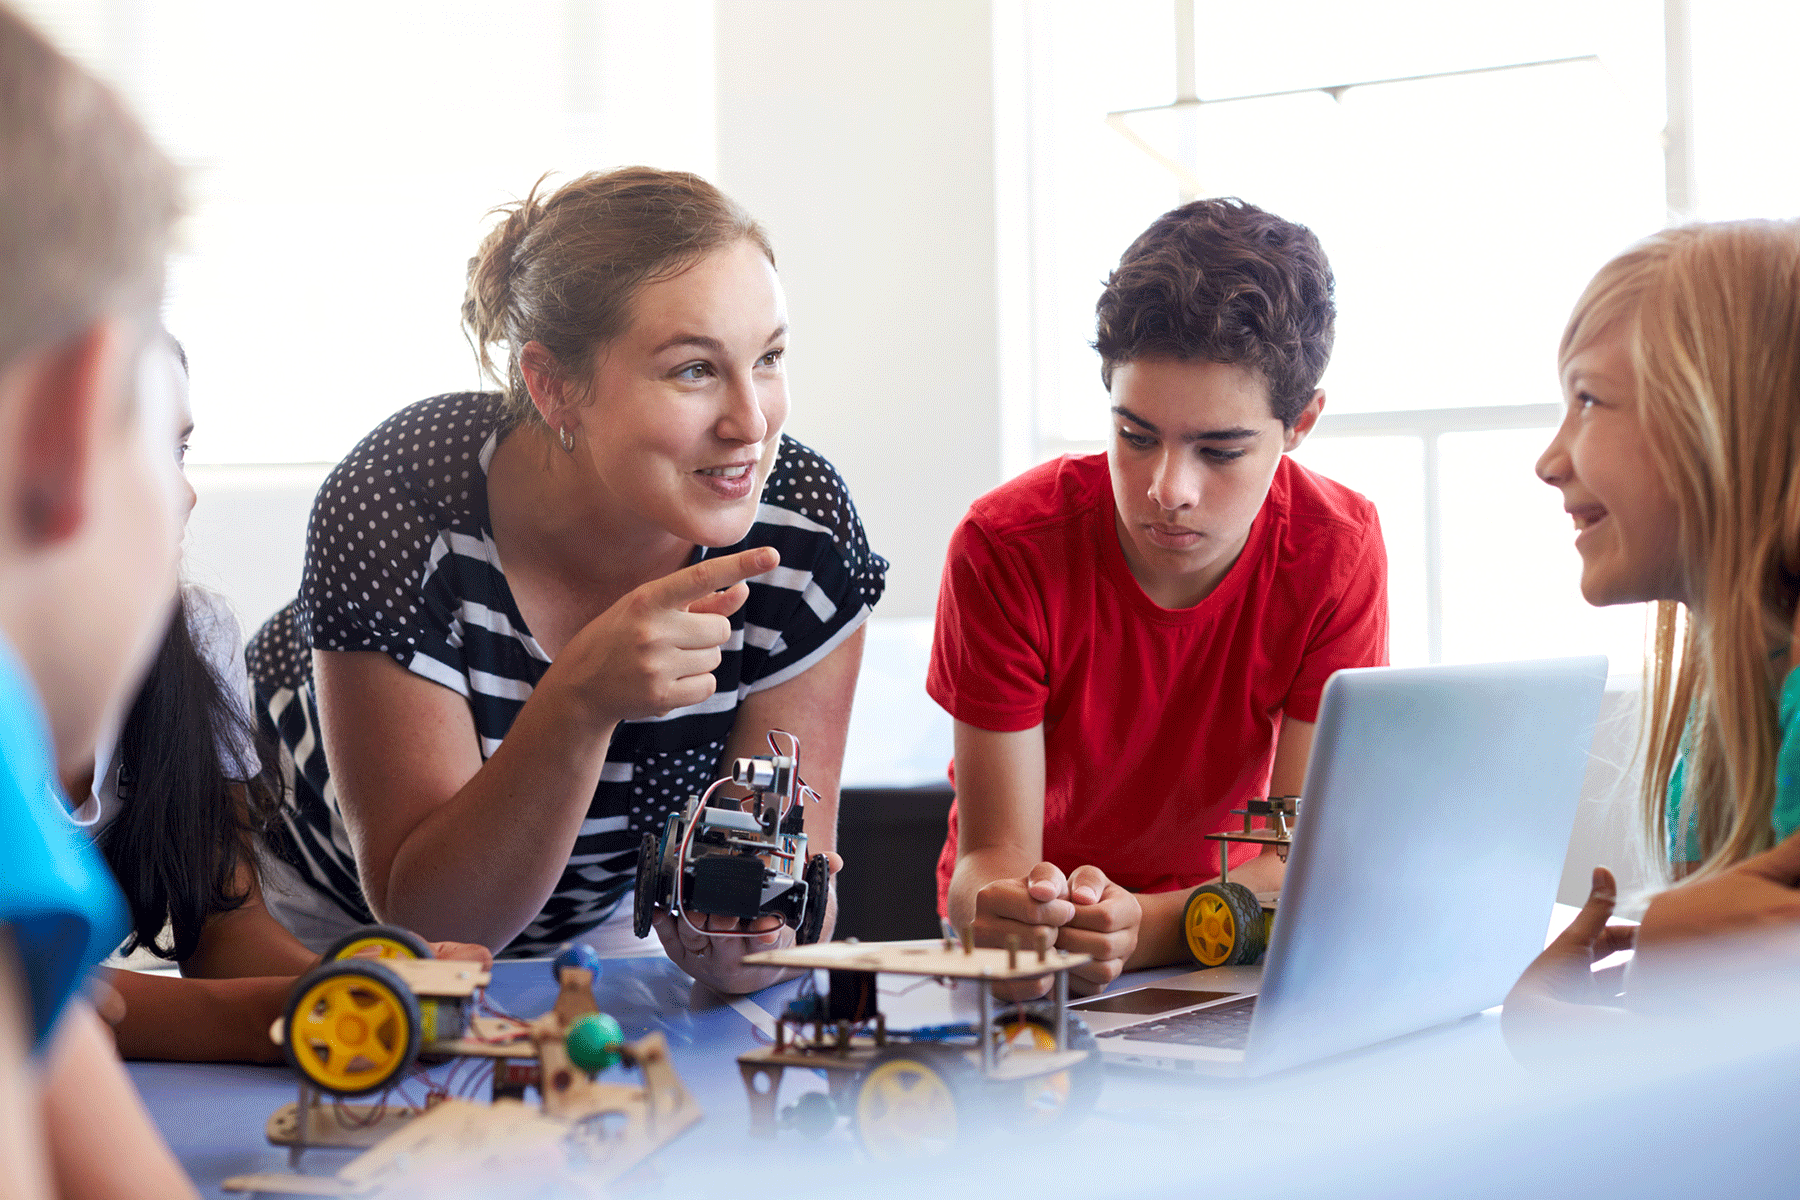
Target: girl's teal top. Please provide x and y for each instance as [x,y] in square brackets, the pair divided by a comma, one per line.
[1786,817]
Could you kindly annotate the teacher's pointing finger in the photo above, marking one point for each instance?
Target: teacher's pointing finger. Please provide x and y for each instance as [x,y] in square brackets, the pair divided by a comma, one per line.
[696,588]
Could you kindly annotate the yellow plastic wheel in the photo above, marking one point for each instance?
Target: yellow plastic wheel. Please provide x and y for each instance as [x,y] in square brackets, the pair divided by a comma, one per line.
[906,1108]
[1045,1096]
[1062,1097]
[1211,929]
[352,1027]
[1223,923]
[378,941]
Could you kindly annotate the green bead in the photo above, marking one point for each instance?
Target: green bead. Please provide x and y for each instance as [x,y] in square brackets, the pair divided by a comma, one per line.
[593,1041]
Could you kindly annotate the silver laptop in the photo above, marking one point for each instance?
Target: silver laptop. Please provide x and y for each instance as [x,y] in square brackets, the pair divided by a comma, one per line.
[1438,807]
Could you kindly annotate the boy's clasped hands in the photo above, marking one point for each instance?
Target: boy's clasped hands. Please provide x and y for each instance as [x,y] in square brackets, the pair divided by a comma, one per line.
[1082,912]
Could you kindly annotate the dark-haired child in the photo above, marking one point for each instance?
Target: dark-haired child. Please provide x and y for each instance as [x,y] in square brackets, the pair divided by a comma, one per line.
[1133,644]
[175,805]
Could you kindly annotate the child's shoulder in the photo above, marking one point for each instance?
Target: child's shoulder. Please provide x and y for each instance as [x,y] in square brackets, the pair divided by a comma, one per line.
[1308,499]
[1052,494]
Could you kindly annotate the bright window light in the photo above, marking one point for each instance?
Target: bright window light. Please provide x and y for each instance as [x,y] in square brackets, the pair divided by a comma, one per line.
[341,157]
[1462,214]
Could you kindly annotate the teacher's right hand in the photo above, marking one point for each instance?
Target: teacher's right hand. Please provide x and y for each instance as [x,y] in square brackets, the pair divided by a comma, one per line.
[654,651]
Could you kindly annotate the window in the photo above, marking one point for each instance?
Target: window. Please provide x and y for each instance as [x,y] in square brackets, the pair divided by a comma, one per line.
[341,157]
[1464,205]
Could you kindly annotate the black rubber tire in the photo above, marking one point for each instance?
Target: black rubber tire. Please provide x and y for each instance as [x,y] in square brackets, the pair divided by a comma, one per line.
[406,939]
[643,901]
[818,890]
[1248,941]
[378,978]
[1027,1113]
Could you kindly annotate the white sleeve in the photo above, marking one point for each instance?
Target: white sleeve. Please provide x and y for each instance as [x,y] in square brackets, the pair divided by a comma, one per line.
[220,641]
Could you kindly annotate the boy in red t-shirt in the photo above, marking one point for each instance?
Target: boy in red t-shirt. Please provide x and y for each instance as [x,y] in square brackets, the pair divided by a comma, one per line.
[1133,644]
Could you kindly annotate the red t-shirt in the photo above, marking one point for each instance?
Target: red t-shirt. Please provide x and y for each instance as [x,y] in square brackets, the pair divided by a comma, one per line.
[1157,722]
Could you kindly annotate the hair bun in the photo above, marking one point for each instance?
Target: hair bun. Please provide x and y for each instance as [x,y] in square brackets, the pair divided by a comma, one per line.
[488,295]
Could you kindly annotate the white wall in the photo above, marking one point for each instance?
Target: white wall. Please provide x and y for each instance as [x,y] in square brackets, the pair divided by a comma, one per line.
[247,537]
[862,136]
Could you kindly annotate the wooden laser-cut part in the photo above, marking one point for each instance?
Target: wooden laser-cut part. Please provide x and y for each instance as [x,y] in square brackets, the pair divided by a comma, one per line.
[586,1132]
[568,1137]
[575,995]
[453,1136]
[337,1126]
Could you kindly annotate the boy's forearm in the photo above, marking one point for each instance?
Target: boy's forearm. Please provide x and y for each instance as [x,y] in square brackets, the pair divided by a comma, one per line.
[199,1020]
[1264,873]
[1161,940]
[975,869]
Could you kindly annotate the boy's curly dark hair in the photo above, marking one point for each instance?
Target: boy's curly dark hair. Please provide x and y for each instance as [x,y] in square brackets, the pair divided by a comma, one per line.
[1225,281]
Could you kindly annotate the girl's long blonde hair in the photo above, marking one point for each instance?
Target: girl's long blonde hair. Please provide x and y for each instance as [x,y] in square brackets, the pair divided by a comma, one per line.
[1711,314]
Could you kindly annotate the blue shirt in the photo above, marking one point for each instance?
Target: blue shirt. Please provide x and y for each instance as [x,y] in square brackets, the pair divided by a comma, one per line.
[63,908]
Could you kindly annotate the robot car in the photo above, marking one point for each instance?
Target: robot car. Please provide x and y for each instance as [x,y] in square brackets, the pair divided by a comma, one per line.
[1225,923]
[911,1093]
[718,858]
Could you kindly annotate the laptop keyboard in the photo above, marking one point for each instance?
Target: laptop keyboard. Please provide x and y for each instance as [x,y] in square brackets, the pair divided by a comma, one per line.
[1226,1026]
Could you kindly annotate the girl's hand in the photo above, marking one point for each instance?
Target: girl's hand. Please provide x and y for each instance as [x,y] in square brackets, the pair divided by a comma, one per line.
[1758,897]
[1563,975]
[464,952]
[455,951]
[654,651]
[1565,970]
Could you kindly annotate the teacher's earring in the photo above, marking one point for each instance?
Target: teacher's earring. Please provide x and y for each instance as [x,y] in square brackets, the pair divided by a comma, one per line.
[568,443]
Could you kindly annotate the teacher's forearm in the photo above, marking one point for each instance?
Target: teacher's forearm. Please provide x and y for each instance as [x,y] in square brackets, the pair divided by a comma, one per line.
[480,867]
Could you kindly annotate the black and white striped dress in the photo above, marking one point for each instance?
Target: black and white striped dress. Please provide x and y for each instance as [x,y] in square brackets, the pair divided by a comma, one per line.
[400,559]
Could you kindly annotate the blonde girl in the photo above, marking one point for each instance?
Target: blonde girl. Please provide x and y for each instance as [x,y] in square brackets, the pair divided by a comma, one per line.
[1677,459]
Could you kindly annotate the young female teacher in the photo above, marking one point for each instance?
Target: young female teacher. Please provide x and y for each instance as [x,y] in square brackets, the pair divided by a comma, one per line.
[533,622]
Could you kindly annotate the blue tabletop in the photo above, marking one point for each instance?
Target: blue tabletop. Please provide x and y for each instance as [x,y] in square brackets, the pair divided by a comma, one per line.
[1443,1112]
[214,1116]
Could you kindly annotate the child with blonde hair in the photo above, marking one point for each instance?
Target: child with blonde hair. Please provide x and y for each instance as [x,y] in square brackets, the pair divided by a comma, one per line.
[1678,459]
